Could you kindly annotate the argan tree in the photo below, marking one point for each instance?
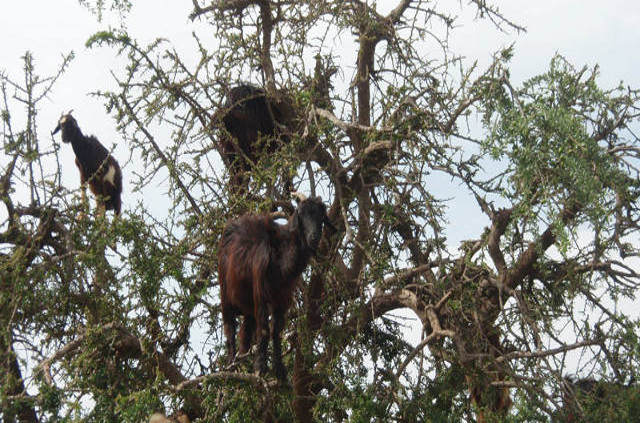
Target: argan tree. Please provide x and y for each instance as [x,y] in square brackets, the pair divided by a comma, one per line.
[113,319]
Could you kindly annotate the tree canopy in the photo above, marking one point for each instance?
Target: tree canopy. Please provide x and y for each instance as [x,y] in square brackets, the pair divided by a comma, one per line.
[112,319]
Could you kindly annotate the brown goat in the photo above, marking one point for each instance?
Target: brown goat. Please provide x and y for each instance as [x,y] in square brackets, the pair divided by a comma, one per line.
[97,166]
[257,124]
[259,265]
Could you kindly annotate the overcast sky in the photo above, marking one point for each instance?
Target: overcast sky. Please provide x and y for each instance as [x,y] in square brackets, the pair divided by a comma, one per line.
[586,31]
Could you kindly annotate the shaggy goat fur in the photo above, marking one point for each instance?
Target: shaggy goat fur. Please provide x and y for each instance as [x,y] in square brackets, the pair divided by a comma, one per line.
[259,265]
[257,126]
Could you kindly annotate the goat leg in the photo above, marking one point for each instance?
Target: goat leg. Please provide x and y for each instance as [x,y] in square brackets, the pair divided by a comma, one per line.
[247,330]
[83,196]
[101,207]
[278,324]
[229,325]
[262,333]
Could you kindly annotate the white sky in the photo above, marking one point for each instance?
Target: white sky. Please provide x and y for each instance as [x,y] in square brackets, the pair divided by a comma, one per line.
[586,31]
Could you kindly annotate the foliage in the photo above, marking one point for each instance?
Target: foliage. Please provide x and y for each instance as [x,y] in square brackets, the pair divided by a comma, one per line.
[98,7]
[111,319]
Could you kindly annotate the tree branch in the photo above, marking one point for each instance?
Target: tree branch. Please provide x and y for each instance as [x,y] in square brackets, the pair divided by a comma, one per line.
[169,165]
[546,353]
[526,261]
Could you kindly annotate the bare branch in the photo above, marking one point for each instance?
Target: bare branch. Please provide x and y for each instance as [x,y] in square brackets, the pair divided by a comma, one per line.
[169,165]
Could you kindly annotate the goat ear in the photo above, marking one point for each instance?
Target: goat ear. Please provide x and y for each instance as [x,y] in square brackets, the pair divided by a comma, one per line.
[328,224]
[296,222]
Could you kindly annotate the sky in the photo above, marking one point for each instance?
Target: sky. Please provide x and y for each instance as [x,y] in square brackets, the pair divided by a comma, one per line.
[587,32]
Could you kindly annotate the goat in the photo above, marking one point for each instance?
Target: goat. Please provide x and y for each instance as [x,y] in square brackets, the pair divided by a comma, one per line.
[259,265]
[257,125]
[96,165]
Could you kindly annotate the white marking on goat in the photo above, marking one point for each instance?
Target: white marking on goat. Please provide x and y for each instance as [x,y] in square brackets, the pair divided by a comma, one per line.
[63,119]
[110,176]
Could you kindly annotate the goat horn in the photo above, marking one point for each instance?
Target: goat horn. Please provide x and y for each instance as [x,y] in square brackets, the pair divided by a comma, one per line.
[299,197]
[70,111]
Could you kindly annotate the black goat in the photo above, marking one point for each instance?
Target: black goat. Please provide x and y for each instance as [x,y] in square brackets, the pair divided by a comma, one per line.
[259,265]
[257,124]
[96,165]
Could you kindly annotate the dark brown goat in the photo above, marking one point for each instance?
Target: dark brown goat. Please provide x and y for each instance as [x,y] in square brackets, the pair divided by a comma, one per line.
[96,165]
[257,124]
[259,265]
